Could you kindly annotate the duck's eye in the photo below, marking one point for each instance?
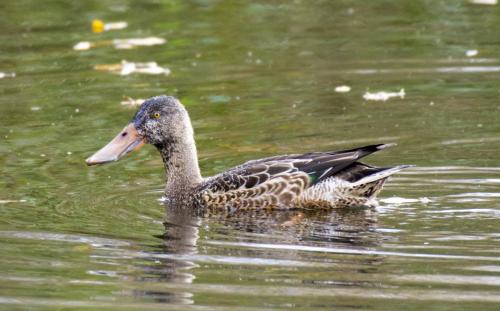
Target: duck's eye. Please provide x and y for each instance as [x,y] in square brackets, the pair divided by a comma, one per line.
[156,115]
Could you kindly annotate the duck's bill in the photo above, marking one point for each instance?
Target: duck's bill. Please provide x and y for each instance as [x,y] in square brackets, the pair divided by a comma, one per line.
[126,141]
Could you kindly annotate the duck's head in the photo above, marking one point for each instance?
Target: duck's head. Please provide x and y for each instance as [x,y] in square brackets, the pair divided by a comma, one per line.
[160,121]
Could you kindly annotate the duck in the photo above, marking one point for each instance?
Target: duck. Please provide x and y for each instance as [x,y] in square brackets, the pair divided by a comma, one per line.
[334,179]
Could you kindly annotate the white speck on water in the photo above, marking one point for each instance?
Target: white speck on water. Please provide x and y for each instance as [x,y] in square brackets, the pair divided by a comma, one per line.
[132,102]
[383,96]
[147,68]
[258,61]
[486,2]
[126,68]
[42,155]
[69,153]
[35,108]
[131,43]
[342,89]
[115,26]
[471,53]
[431,104]
[77,110]
[83,46]
[249,54]
[12,201]
[479,125]
[7,75]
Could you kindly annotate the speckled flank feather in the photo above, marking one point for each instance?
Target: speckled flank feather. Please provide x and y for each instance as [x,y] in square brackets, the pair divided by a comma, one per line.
[339,192]
[314,180]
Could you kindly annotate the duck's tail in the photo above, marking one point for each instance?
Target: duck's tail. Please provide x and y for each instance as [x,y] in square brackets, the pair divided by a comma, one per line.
[369,186]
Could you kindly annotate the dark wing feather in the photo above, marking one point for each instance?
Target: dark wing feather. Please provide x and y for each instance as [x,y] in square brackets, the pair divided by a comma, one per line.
[357,171]
[318,165]
[328,164]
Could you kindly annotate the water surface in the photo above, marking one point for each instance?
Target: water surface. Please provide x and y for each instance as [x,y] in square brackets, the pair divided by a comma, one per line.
[258,79]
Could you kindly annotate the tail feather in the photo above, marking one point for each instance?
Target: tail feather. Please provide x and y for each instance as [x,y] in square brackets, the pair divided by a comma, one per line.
[369,186]
[381,174]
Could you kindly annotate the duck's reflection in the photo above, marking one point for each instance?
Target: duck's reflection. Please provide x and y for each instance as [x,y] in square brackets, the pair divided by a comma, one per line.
[178,250]
[180,238]
[351,227]
[173,257]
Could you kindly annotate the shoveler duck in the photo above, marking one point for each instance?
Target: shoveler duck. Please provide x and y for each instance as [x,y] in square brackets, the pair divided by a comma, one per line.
[310,180]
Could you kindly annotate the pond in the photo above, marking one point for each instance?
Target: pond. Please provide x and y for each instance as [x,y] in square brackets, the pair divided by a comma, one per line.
[259,78]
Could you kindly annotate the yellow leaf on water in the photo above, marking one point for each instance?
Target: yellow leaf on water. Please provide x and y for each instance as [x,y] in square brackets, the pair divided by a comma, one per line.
[97,26]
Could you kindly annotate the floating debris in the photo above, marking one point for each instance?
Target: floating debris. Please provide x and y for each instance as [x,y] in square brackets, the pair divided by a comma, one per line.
[126,68]
[487,2]
[35,108]
[147,68]
[129,101]
[343,89]
[83,46]
[134,42]
[99,26]
[12,201]
[7,75]
[471,53]
[383,96]
[120,43]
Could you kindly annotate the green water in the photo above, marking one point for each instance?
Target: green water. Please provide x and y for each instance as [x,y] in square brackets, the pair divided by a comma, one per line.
[258,79]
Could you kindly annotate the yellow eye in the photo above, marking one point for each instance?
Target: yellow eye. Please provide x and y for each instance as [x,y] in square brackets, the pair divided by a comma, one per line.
[156,115]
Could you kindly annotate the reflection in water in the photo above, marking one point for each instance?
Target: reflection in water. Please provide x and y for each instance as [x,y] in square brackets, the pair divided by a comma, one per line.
[178,252]
[178,241]
[351,227]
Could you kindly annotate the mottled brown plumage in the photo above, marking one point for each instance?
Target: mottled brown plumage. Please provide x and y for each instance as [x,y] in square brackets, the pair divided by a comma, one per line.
[311,180]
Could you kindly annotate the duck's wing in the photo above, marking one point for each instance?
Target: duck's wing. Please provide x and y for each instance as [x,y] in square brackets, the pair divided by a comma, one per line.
[280,179]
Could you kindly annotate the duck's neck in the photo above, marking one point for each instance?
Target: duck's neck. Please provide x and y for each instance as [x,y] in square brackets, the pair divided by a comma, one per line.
[181,163]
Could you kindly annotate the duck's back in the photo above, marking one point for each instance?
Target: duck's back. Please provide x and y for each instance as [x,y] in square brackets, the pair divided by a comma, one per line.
[319,179]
